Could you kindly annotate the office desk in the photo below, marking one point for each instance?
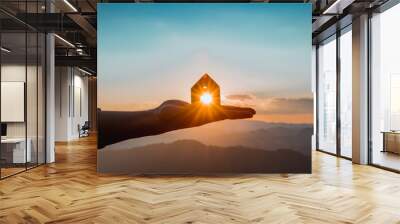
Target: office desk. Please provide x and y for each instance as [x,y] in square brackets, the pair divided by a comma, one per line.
[391,141]
[13,150]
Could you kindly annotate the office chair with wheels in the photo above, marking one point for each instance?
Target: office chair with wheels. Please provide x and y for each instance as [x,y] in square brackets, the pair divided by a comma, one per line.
[84,130]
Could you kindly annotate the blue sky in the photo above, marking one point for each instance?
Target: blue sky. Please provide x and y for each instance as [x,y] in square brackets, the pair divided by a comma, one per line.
[148,53]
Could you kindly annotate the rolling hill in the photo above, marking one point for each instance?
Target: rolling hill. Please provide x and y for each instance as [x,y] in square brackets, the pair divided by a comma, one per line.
[193,157]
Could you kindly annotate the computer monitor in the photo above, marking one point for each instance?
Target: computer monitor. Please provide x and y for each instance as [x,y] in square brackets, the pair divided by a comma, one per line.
[3,129]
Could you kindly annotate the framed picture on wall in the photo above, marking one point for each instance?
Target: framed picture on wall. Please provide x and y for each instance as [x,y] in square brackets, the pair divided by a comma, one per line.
[204,88]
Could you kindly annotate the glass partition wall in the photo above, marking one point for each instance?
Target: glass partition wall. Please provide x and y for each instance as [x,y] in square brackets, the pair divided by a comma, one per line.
[334,105]
[385,89]
[13,85]
[22,88]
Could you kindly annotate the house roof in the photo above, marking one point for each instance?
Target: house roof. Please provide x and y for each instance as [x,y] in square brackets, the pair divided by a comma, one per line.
[205,78]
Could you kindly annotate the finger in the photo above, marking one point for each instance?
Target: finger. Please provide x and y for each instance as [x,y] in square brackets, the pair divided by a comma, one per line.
[238,112]
[239,109]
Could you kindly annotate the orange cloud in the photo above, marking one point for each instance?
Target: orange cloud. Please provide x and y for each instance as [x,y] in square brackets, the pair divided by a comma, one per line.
[129,106]
[285,118]
[241,97]
[271,105]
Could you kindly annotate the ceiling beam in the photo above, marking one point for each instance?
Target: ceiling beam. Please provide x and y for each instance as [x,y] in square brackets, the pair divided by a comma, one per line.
[86,26]
[338,6]
[81,61]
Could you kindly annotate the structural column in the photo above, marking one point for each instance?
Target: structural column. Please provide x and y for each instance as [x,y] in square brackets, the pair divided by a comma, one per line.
[50,92]
[360,89]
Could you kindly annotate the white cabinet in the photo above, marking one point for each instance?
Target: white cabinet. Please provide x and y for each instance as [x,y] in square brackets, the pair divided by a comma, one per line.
[16,146]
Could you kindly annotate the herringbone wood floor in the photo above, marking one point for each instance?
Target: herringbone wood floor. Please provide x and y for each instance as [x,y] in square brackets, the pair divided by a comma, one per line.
[70,191]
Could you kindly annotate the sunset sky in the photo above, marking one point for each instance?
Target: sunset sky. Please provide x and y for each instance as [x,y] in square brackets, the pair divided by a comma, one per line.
[259,54]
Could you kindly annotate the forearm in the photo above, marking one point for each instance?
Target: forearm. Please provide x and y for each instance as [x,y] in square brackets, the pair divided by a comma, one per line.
[116,126]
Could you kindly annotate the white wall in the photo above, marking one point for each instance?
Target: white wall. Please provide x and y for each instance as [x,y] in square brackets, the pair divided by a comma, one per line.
[12,73]
[62,81]
[33,127]
[79,117]
[70,83]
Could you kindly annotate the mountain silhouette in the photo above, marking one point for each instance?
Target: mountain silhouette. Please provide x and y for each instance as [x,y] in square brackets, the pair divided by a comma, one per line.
[194,157]
[246,133]
[298,139]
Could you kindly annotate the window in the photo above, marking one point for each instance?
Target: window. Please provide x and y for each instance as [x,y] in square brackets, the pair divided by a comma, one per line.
[327,95]
[329,111]
[394,102]
[385,89]
[346,92]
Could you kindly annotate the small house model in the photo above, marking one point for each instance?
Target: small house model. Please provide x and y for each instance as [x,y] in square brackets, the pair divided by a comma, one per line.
[206,85]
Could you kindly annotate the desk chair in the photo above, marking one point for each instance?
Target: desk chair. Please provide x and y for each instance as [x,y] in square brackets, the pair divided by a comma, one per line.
[84,130]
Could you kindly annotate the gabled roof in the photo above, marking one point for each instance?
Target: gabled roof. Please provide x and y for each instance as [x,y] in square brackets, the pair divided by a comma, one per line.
[205,78]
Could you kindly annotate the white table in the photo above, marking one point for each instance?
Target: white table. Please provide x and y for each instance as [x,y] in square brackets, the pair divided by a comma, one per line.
[17,146]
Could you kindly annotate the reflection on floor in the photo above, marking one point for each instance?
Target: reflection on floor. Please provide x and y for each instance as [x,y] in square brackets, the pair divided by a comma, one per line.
[346,152]
[387,159]
[71,191]
[10,169]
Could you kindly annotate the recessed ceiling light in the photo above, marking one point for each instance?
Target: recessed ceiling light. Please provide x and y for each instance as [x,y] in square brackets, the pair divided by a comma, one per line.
[5,50]
[84,71]
[64,40]
[70,5]
[337,7]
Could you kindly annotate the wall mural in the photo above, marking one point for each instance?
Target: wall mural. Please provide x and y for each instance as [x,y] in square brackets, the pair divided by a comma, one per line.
[204,88]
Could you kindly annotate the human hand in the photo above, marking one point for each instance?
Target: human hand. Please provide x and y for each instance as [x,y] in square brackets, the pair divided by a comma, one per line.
[176,114]
[116,126]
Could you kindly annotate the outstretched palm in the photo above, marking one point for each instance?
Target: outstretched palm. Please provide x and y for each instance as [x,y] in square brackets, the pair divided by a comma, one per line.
[116,126]
[176,114]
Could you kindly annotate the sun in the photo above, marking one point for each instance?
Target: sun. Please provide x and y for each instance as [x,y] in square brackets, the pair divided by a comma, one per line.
[206,98]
